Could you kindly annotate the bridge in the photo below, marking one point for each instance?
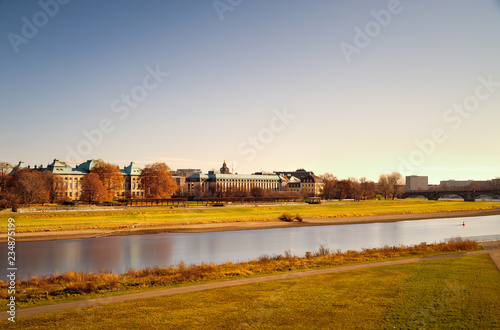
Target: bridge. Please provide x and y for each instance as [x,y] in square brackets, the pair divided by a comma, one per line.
[467,195]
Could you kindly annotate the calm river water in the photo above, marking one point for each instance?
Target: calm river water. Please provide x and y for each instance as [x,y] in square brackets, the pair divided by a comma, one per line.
[139,251]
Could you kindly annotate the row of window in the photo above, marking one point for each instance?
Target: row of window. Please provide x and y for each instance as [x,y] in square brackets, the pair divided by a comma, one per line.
[139,194]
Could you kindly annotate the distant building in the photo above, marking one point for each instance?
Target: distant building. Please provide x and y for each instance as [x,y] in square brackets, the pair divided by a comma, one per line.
[181,183]
[312,184]
[302,181]
[132,185]
[186,172]
[219,183]
[415,182]
[466,184]
[300,173]
[224,169]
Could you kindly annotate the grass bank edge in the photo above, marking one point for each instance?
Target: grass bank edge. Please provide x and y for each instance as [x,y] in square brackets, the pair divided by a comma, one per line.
[75,286]
[156,217]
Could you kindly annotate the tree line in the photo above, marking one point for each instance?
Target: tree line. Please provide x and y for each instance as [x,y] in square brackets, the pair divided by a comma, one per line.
[388,186]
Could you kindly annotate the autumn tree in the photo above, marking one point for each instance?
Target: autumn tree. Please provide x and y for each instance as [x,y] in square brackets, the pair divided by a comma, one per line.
[55,186]
[329,185]
[110,176]
[396,182]
[5,168]
[257,192]
[367,189]
[156,181]
[343,189]
[32,186]
[354,190]
[92,188]
[384,186]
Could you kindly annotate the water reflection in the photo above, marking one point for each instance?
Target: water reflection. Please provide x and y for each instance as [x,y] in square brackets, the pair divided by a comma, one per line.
[116,253]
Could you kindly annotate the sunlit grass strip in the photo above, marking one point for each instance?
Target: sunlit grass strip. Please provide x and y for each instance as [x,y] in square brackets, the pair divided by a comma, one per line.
[150,217]
[459,293]
[57,287]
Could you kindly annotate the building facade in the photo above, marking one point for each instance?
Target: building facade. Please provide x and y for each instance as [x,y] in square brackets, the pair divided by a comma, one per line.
[219,183]
[303,182]
[415,182]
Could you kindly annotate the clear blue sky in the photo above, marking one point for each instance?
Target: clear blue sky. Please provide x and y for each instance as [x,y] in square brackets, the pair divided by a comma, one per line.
[347,87]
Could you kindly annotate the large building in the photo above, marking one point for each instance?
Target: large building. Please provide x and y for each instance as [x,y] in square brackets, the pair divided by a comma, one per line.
[71,177]
[220,183]
[303,182]
[415,182]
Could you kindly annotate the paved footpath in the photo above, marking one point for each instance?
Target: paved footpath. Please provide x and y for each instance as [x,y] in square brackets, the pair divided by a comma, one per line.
[491,248]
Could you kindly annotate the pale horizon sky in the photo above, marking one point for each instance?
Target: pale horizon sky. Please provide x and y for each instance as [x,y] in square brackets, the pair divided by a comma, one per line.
[211,82]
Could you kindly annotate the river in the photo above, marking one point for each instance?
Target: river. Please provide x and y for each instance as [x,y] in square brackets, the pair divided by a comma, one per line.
[138,251]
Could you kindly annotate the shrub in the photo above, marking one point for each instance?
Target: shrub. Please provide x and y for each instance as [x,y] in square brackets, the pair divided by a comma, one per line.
[379,197]
[298,217]
[285,216]
[322,251]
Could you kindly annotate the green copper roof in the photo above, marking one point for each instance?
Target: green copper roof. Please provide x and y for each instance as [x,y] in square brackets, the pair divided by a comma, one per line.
[131,169]
[87,166]
[58,167]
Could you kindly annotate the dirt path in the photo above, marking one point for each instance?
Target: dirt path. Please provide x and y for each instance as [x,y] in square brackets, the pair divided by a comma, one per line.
[492,248]
[250,225]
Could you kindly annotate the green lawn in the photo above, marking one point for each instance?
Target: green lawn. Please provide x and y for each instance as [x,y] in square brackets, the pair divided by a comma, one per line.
[442,294]
[54,221]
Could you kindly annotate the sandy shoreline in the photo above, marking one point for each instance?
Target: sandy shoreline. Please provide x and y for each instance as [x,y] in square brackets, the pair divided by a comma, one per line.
[251,225]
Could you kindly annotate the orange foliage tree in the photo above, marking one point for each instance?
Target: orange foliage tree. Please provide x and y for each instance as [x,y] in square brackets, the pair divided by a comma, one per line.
[156,181]
[110,176]
[92,188]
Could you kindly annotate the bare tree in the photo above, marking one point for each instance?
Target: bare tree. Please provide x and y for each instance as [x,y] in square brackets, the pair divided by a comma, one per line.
[384,185]
[354,188]
[343,189]
[367,188]
[396,182]
[329,185]
[5,169]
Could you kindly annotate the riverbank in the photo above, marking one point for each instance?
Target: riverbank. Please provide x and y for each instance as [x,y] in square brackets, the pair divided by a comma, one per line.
[146,229]
[322,296]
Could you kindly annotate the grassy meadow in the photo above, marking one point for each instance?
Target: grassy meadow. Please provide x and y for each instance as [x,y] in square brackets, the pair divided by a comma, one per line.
[157,216]
[458,293]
